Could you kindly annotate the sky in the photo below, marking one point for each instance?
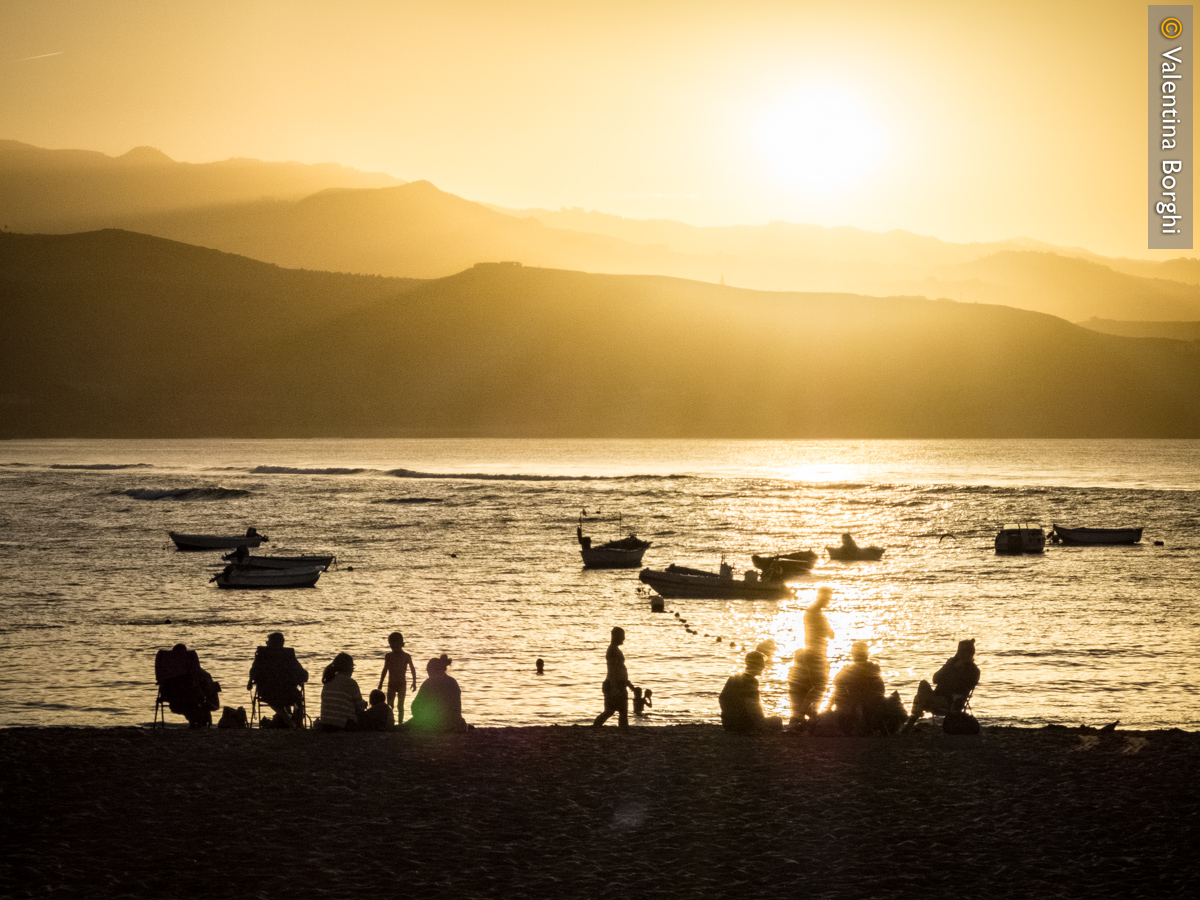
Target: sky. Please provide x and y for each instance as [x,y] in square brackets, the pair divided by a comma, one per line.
[966,121]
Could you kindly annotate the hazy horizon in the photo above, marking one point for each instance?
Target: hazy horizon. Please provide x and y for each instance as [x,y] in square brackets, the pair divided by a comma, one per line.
[963,124]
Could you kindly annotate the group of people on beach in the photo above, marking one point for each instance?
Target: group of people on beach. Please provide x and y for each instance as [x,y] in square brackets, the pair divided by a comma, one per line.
[278,679]
[858,704]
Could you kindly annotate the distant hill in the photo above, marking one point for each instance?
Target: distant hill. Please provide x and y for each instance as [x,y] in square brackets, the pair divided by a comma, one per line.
[1176,331]
[335,219]
[167,340]
[73,190]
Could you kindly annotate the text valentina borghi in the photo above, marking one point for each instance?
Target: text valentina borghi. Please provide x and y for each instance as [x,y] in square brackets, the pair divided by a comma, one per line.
[1171,73]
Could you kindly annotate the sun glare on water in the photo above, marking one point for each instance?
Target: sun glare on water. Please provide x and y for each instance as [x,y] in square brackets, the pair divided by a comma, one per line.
[821,141]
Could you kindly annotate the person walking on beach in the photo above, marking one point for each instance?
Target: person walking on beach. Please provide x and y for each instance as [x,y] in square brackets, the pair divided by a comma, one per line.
[394,664]
[616,685]
[809,677]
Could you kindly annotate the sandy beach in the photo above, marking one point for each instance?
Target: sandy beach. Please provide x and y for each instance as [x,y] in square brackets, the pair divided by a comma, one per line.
[684,811]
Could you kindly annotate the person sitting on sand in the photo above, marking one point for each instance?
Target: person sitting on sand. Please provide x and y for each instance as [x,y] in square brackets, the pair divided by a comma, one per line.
[438,704]
[185,687]
[341,700]
[377,716]
[616,683]
[394,664]
[858,694]
[955,681]
[279,675]
[741,707]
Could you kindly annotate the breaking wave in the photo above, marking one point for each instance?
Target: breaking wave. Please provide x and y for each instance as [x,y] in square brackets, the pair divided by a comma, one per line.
[292,470]
[492,476]
[203,493]
[100,467]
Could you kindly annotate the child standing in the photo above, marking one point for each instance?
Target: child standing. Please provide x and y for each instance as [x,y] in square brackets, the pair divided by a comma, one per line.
[394,664]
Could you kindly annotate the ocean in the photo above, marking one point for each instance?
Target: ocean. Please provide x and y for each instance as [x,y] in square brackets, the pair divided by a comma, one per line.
[468,548]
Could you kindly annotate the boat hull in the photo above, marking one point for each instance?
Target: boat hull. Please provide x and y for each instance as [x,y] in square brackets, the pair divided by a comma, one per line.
[248,578]
[791,566]
[855,554]
[1098,536]
[286,562]
[604,558]
[195,542]
[679,586]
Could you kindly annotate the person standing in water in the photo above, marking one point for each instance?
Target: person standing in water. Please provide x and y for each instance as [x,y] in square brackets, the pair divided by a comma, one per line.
[394,664]
[616,683]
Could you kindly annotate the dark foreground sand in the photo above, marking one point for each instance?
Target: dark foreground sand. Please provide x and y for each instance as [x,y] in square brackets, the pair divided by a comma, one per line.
[578,812]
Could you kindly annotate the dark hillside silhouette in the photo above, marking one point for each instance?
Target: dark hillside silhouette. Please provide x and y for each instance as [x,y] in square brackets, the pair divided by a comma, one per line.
[234,347]
[75,190]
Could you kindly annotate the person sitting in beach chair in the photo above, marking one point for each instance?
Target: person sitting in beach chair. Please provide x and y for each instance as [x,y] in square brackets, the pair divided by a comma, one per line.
[858,701]
[278,677]
[741,706]
[185,687]
[438,704]
[955,681]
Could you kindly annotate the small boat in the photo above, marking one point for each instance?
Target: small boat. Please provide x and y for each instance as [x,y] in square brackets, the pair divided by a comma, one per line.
[790,565]
[851,552]
[676,582]
[248,578]
[625,553]
[217,541]
[1095,536]
[1021,538]
[281,562]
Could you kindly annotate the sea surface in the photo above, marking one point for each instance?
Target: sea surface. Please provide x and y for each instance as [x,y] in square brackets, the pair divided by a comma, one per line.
[468,548]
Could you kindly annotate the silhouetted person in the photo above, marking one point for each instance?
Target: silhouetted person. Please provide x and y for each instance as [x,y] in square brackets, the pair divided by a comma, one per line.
[394,664]
[641,700]
[741,707]
[438,704]
[848,542]
[955,681]
[241,554]
[341,700]
[807,680]
[616,683]
[817,631]
[541,666]
[377,716]
[279,675]
[188,690]
[858,693]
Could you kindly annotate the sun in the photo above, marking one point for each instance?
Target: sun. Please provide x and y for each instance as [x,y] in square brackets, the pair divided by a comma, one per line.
[821,140]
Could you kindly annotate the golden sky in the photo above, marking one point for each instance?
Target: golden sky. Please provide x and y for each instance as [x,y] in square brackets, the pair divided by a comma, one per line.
[968,121]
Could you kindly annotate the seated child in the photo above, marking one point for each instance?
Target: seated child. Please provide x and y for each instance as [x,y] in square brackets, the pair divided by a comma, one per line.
[377,716]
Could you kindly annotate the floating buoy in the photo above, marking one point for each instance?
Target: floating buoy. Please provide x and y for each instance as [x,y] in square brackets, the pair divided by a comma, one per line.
[1158,543]
[657,604]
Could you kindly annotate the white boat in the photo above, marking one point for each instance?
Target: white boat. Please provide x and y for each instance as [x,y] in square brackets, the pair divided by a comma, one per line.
[281,562]
[249,578]
[1096,536]
[1021,538]
[217,541]
[676,582]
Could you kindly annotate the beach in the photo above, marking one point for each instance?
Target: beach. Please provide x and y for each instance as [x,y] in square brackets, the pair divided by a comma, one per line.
[654,811]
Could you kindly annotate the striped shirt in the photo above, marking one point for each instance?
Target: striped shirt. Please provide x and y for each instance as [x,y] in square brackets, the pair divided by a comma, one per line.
[340,700]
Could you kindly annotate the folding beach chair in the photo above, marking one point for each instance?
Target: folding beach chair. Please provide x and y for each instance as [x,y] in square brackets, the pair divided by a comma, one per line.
[300,714]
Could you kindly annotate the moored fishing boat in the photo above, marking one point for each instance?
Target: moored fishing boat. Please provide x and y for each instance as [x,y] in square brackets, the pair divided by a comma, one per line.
[217,541]
[623,553]
[789,565]
[677,582]
[281,562]
[249,578]
[1021,538]
[849,551]
[1095,536]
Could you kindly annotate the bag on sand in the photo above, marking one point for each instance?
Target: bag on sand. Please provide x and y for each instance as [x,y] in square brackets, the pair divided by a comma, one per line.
[960,723]
[233,718]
